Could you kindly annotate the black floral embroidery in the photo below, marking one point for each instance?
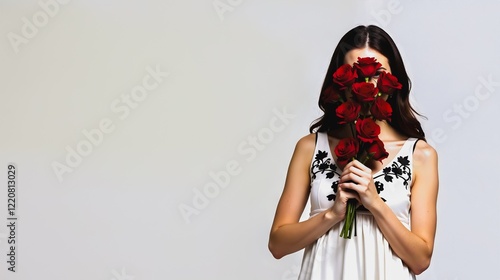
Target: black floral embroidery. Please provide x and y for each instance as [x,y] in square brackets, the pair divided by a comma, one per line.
[380,187]
[321,164]
[325,165]
[399,169]
[335,186]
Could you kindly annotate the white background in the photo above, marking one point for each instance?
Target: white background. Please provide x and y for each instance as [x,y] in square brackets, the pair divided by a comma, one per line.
[65,67]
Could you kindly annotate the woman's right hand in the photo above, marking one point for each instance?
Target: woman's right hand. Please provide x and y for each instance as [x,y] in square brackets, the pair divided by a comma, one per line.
[339,207]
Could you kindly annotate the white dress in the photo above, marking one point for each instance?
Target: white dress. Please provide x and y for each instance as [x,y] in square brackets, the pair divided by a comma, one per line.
[367,255]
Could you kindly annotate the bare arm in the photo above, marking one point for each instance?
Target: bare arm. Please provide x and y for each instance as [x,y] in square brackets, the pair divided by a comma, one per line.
[288,235]
[414,247]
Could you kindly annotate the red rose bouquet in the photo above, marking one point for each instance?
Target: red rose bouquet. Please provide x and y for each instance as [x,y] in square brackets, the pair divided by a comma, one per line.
[361,105]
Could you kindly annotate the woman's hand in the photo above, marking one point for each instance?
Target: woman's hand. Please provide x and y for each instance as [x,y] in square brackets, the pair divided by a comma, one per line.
[339,207]
[358,178]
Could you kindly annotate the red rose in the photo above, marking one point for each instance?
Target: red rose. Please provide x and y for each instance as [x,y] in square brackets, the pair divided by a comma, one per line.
[348,111]
[364,92]
[387,83]
[344,76]
[367,66]
[346,149]
[377,150]
[330,95]
[367,130]
[381,109]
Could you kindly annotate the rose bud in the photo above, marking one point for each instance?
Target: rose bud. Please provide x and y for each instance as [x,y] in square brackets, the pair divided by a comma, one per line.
[381,109]
[330,95]
[377,150]
[364,92]
[344,76]
[367,66]
[346,149]
[367,130]
[348,111]
[387,83]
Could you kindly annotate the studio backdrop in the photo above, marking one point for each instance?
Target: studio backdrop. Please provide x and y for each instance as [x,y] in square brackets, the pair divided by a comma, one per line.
[151,139]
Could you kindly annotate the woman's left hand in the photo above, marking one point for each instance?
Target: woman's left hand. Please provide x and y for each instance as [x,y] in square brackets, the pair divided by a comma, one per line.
[357,177]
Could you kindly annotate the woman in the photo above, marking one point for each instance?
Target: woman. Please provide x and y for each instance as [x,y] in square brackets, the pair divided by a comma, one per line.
[390,241]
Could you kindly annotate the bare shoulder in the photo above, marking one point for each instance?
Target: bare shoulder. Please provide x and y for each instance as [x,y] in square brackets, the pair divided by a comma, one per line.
[425,163]
[303,154]
[306,144]
[424,153]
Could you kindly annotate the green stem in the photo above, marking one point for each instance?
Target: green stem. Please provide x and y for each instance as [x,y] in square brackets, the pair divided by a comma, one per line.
[346,231]
[353,132]
[366,158]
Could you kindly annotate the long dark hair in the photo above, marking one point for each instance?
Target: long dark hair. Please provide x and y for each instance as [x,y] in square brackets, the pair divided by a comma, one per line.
[403,117]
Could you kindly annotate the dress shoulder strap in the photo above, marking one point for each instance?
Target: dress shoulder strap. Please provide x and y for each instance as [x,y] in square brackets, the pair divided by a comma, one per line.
[322,142]
[413,143]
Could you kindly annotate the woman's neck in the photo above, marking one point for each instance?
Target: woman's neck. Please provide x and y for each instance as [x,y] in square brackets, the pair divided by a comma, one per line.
[388,133]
